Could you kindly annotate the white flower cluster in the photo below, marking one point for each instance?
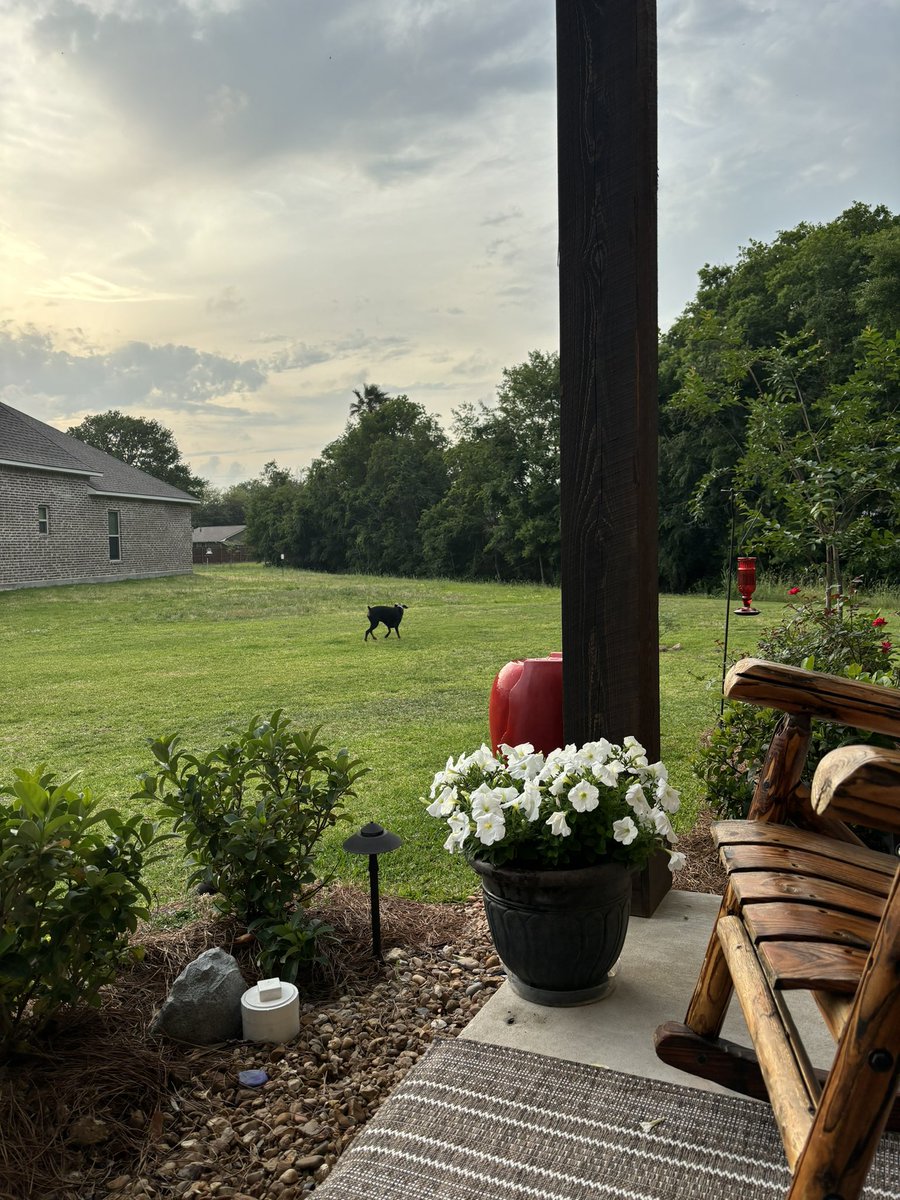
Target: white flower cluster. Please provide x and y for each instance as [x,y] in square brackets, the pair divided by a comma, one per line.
[477,793]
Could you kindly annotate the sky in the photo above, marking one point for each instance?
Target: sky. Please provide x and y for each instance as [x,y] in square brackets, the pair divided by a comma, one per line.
[229,214]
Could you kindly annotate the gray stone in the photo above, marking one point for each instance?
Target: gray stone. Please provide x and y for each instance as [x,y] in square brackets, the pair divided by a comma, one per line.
[204,1005]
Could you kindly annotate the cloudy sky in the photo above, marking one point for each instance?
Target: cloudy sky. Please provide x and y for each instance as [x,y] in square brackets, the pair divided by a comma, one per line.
[227,214]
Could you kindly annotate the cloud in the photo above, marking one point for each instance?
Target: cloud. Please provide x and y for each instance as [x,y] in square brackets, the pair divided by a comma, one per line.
[213,87]
[770,114]
[132,375]
[227,300]
[83,286]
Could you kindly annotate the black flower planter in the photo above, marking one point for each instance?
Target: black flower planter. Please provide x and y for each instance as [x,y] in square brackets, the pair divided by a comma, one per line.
[558,932]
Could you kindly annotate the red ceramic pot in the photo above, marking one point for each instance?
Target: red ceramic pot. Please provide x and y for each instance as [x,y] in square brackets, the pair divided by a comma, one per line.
[526,704]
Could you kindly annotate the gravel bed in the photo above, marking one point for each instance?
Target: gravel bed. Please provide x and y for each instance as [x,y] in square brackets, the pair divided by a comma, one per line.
[107,1112]
[281,1139]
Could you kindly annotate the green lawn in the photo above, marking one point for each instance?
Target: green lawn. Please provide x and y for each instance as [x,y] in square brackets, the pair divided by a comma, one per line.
[88,673]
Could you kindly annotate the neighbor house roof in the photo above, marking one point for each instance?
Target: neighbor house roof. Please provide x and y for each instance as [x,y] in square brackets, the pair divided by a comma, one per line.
[217,533]
[27,442]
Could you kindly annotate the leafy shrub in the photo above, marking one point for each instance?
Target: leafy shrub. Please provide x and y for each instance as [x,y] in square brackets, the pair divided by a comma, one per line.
[70,895]
[844,641]
[252,812]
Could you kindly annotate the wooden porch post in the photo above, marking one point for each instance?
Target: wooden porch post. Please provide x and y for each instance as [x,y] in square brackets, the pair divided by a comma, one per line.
[606,72]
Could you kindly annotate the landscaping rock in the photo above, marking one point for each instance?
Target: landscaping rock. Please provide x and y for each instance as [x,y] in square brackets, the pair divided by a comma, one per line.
[204,1005]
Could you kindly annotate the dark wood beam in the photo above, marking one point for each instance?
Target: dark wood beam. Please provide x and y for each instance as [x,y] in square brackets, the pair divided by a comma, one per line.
[606,69]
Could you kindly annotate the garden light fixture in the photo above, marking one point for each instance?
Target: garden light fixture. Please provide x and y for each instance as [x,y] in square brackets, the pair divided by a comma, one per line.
[373,840]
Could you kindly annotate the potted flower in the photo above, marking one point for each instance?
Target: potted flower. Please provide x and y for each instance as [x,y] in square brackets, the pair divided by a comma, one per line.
[555,839]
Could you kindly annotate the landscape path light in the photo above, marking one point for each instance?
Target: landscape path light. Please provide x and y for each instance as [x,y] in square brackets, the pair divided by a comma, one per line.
[373,840]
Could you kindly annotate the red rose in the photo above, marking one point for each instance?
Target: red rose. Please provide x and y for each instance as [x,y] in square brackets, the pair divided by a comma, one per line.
[793,591]
[885,647]
[878,622]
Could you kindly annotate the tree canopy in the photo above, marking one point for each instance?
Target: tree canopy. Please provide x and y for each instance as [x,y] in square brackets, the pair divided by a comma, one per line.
[779,390]
[785,334]
[141,443]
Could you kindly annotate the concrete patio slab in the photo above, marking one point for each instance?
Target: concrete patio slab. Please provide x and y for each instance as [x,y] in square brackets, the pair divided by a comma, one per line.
[654,981]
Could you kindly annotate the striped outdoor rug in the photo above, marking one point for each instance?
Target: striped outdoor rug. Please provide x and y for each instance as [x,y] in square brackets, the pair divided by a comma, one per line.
[473,1121]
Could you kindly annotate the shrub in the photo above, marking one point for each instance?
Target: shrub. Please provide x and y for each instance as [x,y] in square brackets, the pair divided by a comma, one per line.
[70,895]
[844,641]
[252,812]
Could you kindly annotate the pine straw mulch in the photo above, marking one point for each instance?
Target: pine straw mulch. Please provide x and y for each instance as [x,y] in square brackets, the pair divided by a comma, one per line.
[91,1097]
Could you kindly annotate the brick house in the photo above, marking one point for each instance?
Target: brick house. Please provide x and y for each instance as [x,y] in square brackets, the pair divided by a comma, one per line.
[221,544]
[70,513]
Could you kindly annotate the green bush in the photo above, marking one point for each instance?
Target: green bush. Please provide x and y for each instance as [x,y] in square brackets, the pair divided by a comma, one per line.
[70,895]
[844,641]
[252,812]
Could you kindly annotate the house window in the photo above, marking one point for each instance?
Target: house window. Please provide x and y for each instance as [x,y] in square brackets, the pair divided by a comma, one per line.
[43,518]
[115,540]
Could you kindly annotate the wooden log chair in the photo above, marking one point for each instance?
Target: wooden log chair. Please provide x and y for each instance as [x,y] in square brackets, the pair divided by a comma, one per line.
[808,906]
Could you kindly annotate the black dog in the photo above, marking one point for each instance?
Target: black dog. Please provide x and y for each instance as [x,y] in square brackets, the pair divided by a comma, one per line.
[389,615]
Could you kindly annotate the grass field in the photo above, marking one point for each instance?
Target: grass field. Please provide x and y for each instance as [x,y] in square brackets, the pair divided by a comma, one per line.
[87,673]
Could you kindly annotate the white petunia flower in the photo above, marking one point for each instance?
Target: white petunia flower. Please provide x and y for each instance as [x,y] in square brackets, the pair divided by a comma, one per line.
[625,831]
[444,804]
[593,752]
[528,767]
[530,803]
[668,797]
[490,828]
[634,751]
[638,801]
[485,801]
[459,831]
[509,797]
[558,825]
[584,797]
[514,753]
[484,759]
[608,773]
[676,860]
[662,824]
[559,784]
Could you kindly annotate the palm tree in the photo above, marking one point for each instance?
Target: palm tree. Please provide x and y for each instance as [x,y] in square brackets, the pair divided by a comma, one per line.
[368,399]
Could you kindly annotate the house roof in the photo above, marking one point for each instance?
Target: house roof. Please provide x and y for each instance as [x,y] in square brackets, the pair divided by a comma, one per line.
[27,442]
[217,533]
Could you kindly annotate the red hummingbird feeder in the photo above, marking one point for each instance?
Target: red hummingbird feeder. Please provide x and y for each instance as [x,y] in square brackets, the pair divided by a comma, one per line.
[746,581]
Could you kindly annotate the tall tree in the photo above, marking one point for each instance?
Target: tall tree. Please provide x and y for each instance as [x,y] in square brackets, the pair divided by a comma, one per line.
[364,497]
[500,516]
[368,399]
[271,514]
[141,443]
[225,506]
[822,283]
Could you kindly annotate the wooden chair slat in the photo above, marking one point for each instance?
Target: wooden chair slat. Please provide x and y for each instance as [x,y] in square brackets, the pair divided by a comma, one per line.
[752,887]
[781,860]
[785,921]
[819,966]
[835,1010]
[858,784]
[827,697]
[756,833]
[792,1104]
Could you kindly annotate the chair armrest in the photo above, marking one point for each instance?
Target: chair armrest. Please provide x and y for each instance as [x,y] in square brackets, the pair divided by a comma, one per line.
[860,784]
[827,697]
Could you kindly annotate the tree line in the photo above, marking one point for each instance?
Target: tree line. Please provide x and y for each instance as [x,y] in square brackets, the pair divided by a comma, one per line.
[778,393]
